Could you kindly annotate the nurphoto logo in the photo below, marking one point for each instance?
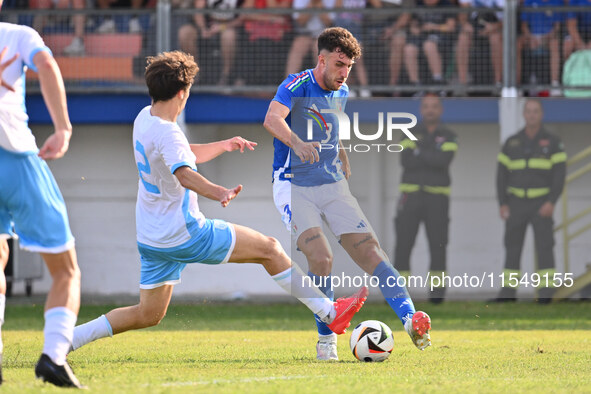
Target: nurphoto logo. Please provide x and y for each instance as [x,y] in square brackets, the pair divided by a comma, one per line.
[395,122]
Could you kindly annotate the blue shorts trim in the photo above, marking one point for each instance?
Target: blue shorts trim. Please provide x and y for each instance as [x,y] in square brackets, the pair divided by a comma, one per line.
[211,244]
[32,205]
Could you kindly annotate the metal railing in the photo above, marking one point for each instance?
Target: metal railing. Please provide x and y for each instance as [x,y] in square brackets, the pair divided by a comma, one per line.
[161,26]
[565,227]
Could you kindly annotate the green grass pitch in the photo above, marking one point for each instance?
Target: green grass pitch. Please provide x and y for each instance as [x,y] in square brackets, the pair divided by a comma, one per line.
[230,348]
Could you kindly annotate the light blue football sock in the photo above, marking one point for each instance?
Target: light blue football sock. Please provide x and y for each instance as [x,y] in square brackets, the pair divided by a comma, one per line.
[396,296]
[325,286]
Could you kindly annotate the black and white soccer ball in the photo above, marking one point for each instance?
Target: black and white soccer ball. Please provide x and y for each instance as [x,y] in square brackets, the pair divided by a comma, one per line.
[372,340]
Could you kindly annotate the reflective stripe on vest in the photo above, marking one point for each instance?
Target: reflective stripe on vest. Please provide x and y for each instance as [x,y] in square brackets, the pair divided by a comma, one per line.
[449,147]
[411,188]
[528,193]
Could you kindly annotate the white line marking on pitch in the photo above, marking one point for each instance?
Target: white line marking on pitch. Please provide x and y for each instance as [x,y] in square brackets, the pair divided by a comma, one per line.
[243,380]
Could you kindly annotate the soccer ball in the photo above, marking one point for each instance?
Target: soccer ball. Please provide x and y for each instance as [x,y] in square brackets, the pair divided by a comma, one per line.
[372,340]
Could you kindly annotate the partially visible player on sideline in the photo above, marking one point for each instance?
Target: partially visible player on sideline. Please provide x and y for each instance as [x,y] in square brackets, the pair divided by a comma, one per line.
[310,185]
[172,232]
[31,204]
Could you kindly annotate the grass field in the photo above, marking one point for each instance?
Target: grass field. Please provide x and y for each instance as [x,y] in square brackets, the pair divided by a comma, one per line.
[231,348]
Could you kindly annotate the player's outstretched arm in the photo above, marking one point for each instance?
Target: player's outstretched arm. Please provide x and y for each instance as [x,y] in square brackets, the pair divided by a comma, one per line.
[54,94]
[206,152]
[202,186]
[276,125]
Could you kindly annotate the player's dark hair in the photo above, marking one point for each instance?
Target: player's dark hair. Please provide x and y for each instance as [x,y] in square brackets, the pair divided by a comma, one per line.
[168,73]
[338,38]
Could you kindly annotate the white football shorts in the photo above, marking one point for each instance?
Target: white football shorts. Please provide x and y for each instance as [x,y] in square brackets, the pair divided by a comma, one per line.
[305,207]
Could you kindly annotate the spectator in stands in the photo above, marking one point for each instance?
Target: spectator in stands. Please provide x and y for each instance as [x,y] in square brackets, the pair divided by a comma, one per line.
[540,31]
[76,47]
[353,22]
[431,32]
[578,26]
[385,33]
[21,19]
[266,35]
[477,27]
[308,27]
[186,35]
[109,24]
[519,46]
[214,25]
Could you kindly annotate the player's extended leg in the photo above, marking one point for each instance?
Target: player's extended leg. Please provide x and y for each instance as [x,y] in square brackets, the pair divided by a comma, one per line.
[4,251]
[149,312]
[250,247]
[254,247]
[314,245]
[365,250]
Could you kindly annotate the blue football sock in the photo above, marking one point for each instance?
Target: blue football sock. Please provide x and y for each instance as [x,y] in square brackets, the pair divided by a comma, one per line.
[325,286]
[396,296]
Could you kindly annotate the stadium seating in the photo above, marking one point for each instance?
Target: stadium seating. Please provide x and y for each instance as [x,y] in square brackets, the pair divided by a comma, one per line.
[108,56]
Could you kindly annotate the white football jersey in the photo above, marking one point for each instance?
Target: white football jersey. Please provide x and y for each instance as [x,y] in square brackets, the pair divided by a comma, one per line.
[15,134]
[164,208]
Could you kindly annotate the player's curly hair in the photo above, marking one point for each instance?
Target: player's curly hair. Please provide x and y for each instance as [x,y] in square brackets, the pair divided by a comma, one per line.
[338,38]
[168,73]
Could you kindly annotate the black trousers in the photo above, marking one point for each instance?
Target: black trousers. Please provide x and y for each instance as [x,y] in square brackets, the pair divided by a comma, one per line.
[523,212]
[414,208]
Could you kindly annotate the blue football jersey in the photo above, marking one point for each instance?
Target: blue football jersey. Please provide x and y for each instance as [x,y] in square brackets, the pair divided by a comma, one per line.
[308,103]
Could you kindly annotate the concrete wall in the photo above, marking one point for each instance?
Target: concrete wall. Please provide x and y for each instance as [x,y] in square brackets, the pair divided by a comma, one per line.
[98,178]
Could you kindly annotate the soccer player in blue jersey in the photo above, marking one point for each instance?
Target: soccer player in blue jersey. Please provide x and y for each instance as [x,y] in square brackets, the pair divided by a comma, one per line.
[313,183]
[171,230]
[31,205]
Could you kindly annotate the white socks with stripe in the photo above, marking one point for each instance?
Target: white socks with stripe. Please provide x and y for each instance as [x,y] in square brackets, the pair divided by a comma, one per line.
[292,281]
[58,333]
[91,331]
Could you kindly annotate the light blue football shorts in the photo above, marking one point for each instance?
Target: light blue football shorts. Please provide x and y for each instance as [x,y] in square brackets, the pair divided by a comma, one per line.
[211,244]
[31,202]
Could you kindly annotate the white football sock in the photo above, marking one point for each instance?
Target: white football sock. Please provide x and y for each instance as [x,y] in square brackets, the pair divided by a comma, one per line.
[327,338]
[2,307]
[91,331]
[58,333]
[292,281]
